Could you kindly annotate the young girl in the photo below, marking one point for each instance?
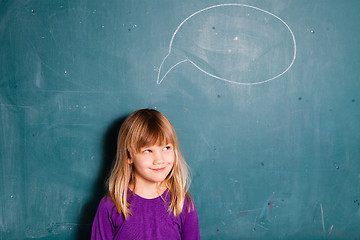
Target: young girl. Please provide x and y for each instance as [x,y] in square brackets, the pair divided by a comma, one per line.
[148,186]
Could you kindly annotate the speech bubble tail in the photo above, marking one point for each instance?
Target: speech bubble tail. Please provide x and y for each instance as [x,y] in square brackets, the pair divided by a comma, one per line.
[168,63]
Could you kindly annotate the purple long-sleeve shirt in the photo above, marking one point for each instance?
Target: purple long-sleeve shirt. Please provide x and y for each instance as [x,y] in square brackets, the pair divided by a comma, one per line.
[149,220]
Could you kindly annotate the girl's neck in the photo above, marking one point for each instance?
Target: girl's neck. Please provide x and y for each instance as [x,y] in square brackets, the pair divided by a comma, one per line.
[149,191]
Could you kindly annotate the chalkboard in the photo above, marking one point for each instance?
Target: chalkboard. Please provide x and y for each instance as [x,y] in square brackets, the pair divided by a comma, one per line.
[264,96]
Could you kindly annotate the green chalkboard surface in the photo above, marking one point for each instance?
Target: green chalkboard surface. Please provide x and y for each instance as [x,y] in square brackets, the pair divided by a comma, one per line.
[264,96]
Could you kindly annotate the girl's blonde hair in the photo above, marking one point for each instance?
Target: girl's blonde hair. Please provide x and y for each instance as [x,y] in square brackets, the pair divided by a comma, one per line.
[142,128]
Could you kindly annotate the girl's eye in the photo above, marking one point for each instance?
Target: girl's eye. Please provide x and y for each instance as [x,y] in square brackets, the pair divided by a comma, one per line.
[147,151]
[166,148]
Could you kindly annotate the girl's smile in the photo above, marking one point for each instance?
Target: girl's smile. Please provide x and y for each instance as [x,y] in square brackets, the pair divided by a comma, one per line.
[159,169]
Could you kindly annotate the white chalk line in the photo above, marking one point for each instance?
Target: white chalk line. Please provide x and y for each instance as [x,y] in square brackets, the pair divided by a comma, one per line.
[323,223]
[250,210]
[322,217]
[211,75]
[331,229]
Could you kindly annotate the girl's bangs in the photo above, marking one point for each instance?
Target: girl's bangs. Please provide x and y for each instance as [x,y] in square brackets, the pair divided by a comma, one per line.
[152,134]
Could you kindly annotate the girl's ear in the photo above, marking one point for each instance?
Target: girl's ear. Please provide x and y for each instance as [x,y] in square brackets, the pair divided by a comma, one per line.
[129,157]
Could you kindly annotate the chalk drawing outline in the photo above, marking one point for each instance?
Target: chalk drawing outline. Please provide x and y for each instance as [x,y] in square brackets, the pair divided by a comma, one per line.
[212,75]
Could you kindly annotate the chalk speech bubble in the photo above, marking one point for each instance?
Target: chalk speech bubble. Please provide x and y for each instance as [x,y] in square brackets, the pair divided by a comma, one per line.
[236,43]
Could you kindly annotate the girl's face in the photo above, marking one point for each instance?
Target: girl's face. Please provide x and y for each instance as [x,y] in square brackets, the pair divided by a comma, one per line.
[152,164]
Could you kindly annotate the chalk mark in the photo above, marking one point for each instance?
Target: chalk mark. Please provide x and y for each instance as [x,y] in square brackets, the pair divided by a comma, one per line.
[322,217]
[331,228]
[212,75]
[267,229]
[250,210]
[254,225]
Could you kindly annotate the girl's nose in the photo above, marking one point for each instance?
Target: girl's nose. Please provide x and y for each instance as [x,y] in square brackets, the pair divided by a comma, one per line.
[158,158]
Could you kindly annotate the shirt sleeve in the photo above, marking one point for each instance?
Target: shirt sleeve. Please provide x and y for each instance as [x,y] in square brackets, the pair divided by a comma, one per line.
[103,228]
[190,227]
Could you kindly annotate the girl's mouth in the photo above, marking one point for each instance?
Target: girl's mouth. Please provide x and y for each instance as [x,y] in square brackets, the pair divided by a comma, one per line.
[158,169]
